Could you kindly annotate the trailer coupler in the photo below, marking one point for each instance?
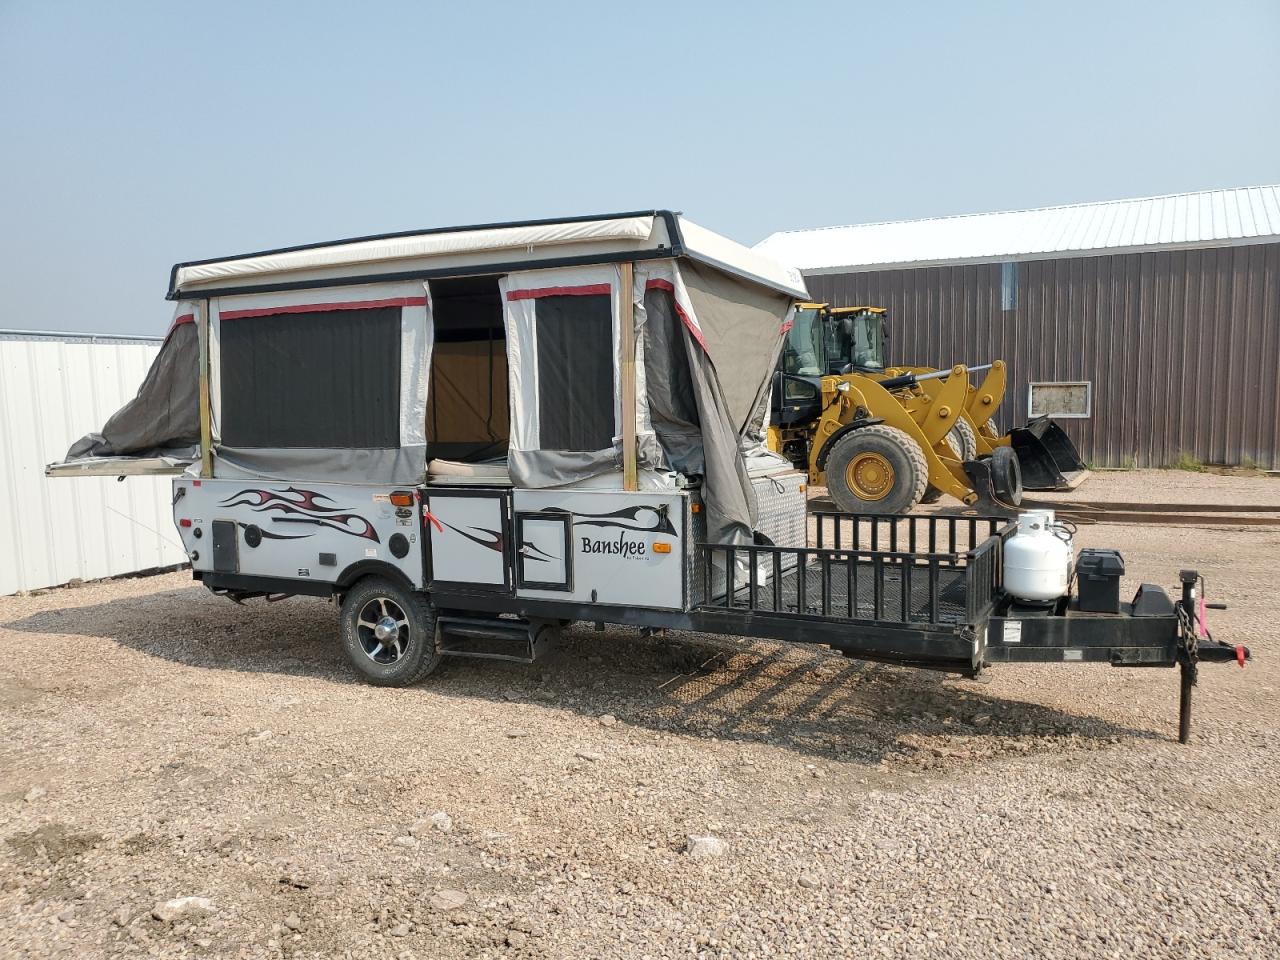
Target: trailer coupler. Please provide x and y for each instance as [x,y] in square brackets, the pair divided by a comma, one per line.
[1152,631]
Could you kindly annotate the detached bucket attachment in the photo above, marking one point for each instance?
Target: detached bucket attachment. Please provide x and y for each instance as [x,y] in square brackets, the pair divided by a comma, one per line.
[997,480]
[1048,458]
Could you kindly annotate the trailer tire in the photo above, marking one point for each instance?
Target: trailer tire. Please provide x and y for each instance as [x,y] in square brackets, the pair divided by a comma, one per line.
[869,451]
[389,633]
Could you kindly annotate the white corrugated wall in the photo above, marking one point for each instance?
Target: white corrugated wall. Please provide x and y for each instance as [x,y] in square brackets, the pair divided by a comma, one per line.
[54,390]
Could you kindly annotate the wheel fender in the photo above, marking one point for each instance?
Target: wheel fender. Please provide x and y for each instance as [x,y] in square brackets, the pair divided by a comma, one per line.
[369,568]
[835,437]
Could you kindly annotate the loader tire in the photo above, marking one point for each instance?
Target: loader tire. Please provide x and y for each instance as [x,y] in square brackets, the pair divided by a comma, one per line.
[1006,476]
[967,438]
[964,445]
[876,470]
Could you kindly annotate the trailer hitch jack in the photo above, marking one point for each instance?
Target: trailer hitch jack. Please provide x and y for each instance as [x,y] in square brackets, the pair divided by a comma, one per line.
[1192,650]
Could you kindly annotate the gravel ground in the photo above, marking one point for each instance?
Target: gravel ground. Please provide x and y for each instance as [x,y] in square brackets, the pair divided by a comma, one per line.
[160,743]
[1174,486]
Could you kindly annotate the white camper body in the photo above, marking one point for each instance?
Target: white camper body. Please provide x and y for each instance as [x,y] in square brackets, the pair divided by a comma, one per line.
[565,550]
[534,420]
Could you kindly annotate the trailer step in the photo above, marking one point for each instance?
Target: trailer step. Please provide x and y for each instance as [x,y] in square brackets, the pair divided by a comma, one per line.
[495,638]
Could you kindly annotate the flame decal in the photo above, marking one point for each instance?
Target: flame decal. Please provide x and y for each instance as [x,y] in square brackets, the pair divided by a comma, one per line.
[303,506]
[305,499]
[493,542]
[531,551]
[643,519]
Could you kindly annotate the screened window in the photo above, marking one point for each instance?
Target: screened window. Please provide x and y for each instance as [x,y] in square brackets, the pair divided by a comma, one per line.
[329,380]
[575,373]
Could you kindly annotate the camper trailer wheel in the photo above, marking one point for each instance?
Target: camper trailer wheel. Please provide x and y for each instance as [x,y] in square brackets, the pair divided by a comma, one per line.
[389,633]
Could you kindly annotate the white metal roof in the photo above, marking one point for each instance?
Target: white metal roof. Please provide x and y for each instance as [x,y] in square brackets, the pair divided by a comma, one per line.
[1207,219]
[72,336]
[479,247]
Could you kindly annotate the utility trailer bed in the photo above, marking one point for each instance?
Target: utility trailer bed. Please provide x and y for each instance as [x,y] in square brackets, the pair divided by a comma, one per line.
[915,590]
[927,591]
[861,588]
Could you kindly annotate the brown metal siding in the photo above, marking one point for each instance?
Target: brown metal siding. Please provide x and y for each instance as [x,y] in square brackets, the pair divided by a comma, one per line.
[1183,347]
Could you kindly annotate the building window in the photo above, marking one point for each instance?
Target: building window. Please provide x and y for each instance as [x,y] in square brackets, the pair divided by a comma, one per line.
[1071,400]
[1008,286]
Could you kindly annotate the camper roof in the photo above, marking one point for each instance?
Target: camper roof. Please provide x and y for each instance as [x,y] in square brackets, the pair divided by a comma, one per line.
[483,248]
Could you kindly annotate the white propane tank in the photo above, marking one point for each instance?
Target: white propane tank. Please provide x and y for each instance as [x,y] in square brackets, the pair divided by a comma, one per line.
[1038,559]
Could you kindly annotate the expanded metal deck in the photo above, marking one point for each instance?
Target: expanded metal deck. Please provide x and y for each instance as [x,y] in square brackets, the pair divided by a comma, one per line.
[862,589]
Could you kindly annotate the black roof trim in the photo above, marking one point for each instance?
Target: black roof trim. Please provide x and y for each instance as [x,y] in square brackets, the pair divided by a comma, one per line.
[670,218]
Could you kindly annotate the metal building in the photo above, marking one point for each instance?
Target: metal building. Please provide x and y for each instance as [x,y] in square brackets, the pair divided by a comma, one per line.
[1150,327]
[54,387]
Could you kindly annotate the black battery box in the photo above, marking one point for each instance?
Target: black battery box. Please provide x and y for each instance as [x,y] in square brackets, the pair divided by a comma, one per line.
[1098,574]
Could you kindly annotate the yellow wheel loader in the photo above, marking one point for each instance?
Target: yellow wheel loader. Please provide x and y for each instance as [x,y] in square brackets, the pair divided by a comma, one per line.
[884,439]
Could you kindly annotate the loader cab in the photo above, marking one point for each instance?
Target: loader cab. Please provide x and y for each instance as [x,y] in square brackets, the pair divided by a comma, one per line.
[855,339]
[797,385]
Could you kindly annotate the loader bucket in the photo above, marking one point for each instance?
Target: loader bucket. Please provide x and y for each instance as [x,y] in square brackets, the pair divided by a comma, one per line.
[1046,454]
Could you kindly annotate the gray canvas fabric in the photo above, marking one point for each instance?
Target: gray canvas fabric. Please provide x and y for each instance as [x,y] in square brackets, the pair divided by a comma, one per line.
[692,421]
[741,324]
[726,489]
[673,407]
[559,468]
[406,465]
[163,419]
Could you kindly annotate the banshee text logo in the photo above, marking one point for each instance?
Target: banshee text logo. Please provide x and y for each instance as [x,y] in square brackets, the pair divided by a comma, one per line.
[621,547]
[640,519]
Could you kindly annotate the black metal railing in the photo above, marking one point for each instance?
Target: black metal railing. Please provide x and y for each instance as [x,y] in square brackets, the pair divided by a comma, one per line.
[906,570]
[908,534]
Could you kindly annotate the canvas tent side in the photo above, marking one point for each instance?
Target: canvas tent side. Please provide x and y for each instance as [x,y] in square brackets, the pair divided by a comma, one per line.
[317,361]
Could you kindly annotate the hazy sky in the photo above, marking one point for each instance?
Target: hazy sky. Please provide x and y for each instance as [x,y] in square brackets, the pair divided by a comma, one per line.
[139,134]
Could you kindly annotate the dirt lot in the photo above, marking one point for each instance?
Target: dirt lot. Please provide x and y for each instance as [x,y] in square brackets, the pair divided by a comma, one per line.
[160,743]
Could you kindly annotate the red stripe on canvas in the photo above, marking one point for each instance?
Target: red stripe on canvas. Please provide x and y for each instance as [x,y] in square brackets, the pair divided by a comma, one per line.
[324,307]
[179,321]
[588,290]
[668,286]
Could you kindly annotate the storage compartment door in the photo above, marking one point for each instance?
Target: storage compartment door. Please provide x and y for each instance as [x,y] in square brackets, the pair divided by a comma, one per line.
[470,539]
[226,552]
[544,552]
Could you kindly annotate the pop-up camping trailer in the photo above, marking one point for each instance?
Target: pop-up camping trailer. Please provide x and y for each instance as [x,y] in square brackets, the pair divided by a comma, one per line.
[471,436]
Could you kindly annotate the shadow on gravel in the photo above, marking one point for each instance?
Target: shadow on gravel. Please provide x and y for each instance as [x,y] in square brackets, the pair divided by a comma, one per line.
[807,699]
